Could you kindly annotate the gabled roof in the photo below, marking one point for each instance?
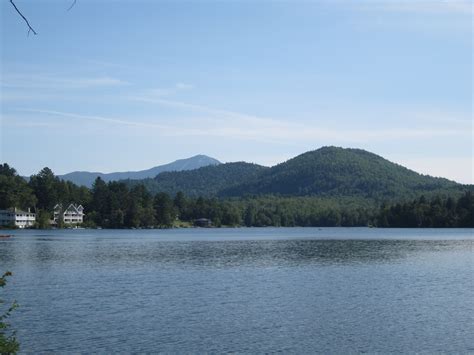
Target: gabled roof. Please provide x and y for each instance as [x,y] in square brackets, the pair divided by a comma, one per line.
[15,210]
[72,208]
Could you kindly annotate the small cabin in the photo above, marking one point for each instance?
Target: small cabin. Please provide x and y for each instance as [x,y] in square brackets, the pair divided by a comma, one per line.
[203,222]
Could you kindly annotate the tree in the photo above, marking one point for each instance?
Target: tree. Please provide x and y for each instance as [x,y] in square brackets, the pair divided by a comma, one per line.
[117,219]
[465,208]
[164,210]
[250,215]
[140,197]
[42,220]
[180,203]
[231,216]
[45,186]
[8,342]
[30,29]
[14,191]
[100,197]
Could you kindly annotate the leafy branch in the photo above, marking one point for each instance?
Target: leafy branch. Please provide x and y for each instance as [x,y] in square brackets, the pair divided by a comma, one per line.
[8,343]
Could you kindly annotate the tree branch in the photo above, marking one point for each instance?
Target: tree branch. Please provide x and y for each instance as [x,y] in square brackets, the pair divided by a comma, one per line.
[72,5]
[24,18]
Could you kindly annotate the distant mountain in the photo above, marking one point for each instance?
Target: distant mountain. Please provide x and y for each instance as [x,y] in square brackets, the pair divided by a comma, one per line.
[205,181]
[333,171]
[86,178]
[326,172]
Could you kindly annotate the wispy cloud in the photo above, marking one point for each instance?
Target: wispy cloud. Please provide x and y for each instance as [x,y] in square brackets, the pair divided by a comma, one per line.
[233,125]
[434,7]
[435,17]
[184,86]
[158,93]
[440,7]
[21,96]
[215,112]
[250,125]
[57,83]
[113,121]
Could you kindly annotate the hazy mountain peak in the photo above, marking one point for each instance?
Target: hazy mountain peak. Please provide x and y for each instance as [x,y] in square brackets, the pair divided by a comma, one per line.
[87,178]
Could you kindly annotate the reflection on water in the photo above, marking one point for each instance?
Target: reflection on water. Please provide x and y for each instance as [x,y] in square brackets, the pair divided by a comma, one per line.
[223,254]
[249,290]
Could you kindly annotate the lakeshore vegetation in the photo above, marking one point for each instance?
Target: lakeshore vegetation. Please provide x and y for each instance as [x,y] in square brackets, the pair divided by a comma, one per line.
[8,342]
[327,187]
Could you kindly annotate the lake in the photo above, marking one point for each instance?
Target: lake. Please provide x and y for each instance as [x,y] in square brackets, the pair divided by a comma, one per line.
[249,290]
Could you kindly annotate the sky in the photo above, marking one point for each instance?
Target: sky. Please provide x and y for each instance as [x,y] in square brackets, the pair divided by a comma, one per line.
[127,85]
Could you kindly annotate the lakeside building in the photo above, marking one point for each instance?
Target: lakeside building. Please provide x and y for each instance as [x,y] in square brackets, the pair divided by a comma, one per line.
[14,217]
[203,222]
[73,214]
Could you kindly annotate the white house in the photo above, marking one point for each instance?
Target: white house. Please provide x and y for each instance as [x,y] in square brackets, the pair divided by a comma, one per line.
[16,218]
[73,214]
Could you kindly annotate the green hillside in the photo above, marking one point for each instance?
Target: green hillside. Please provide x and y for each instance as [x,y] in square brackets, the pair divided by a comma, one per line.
[332,171]
[329,172]
[386,203]
[205,181]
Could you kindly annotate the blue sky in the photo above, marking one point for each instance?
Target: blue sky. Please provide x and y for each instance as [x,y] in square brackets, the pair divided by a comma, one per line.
[127,85]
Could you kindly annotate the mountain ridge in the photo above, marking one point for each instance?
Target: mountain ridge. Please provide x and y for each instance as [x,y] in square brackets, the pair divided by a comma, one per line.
[86,178]
[208,180]
[336,171]
[324,172]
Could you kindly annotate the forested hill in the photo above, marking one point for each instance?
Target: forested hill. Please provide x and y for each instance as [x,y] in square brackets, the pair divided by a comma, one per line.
[332,171]
[206,181]
[326,172]
[86,178]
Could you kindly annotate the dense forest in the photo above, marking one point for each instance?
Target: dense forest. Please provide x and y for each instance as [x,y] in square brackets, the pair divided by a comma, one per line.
[206,181]
[434,213]
[119,205]
[329,172]
[334,171]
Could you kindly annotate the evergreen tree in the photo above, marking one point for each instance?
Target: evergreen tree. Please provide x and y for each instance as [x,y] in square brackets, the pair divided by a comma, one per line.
[46,188]
[14,191]
[164,210]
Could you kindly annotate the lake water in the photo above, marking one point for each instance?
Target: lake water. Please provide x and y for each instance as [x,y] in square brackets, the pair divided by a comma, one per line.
[291,290]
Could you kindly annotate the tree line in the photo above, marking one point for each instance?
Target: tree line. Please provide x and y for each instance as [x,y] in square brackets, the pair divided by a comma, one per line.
[117,205]
[434,213]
